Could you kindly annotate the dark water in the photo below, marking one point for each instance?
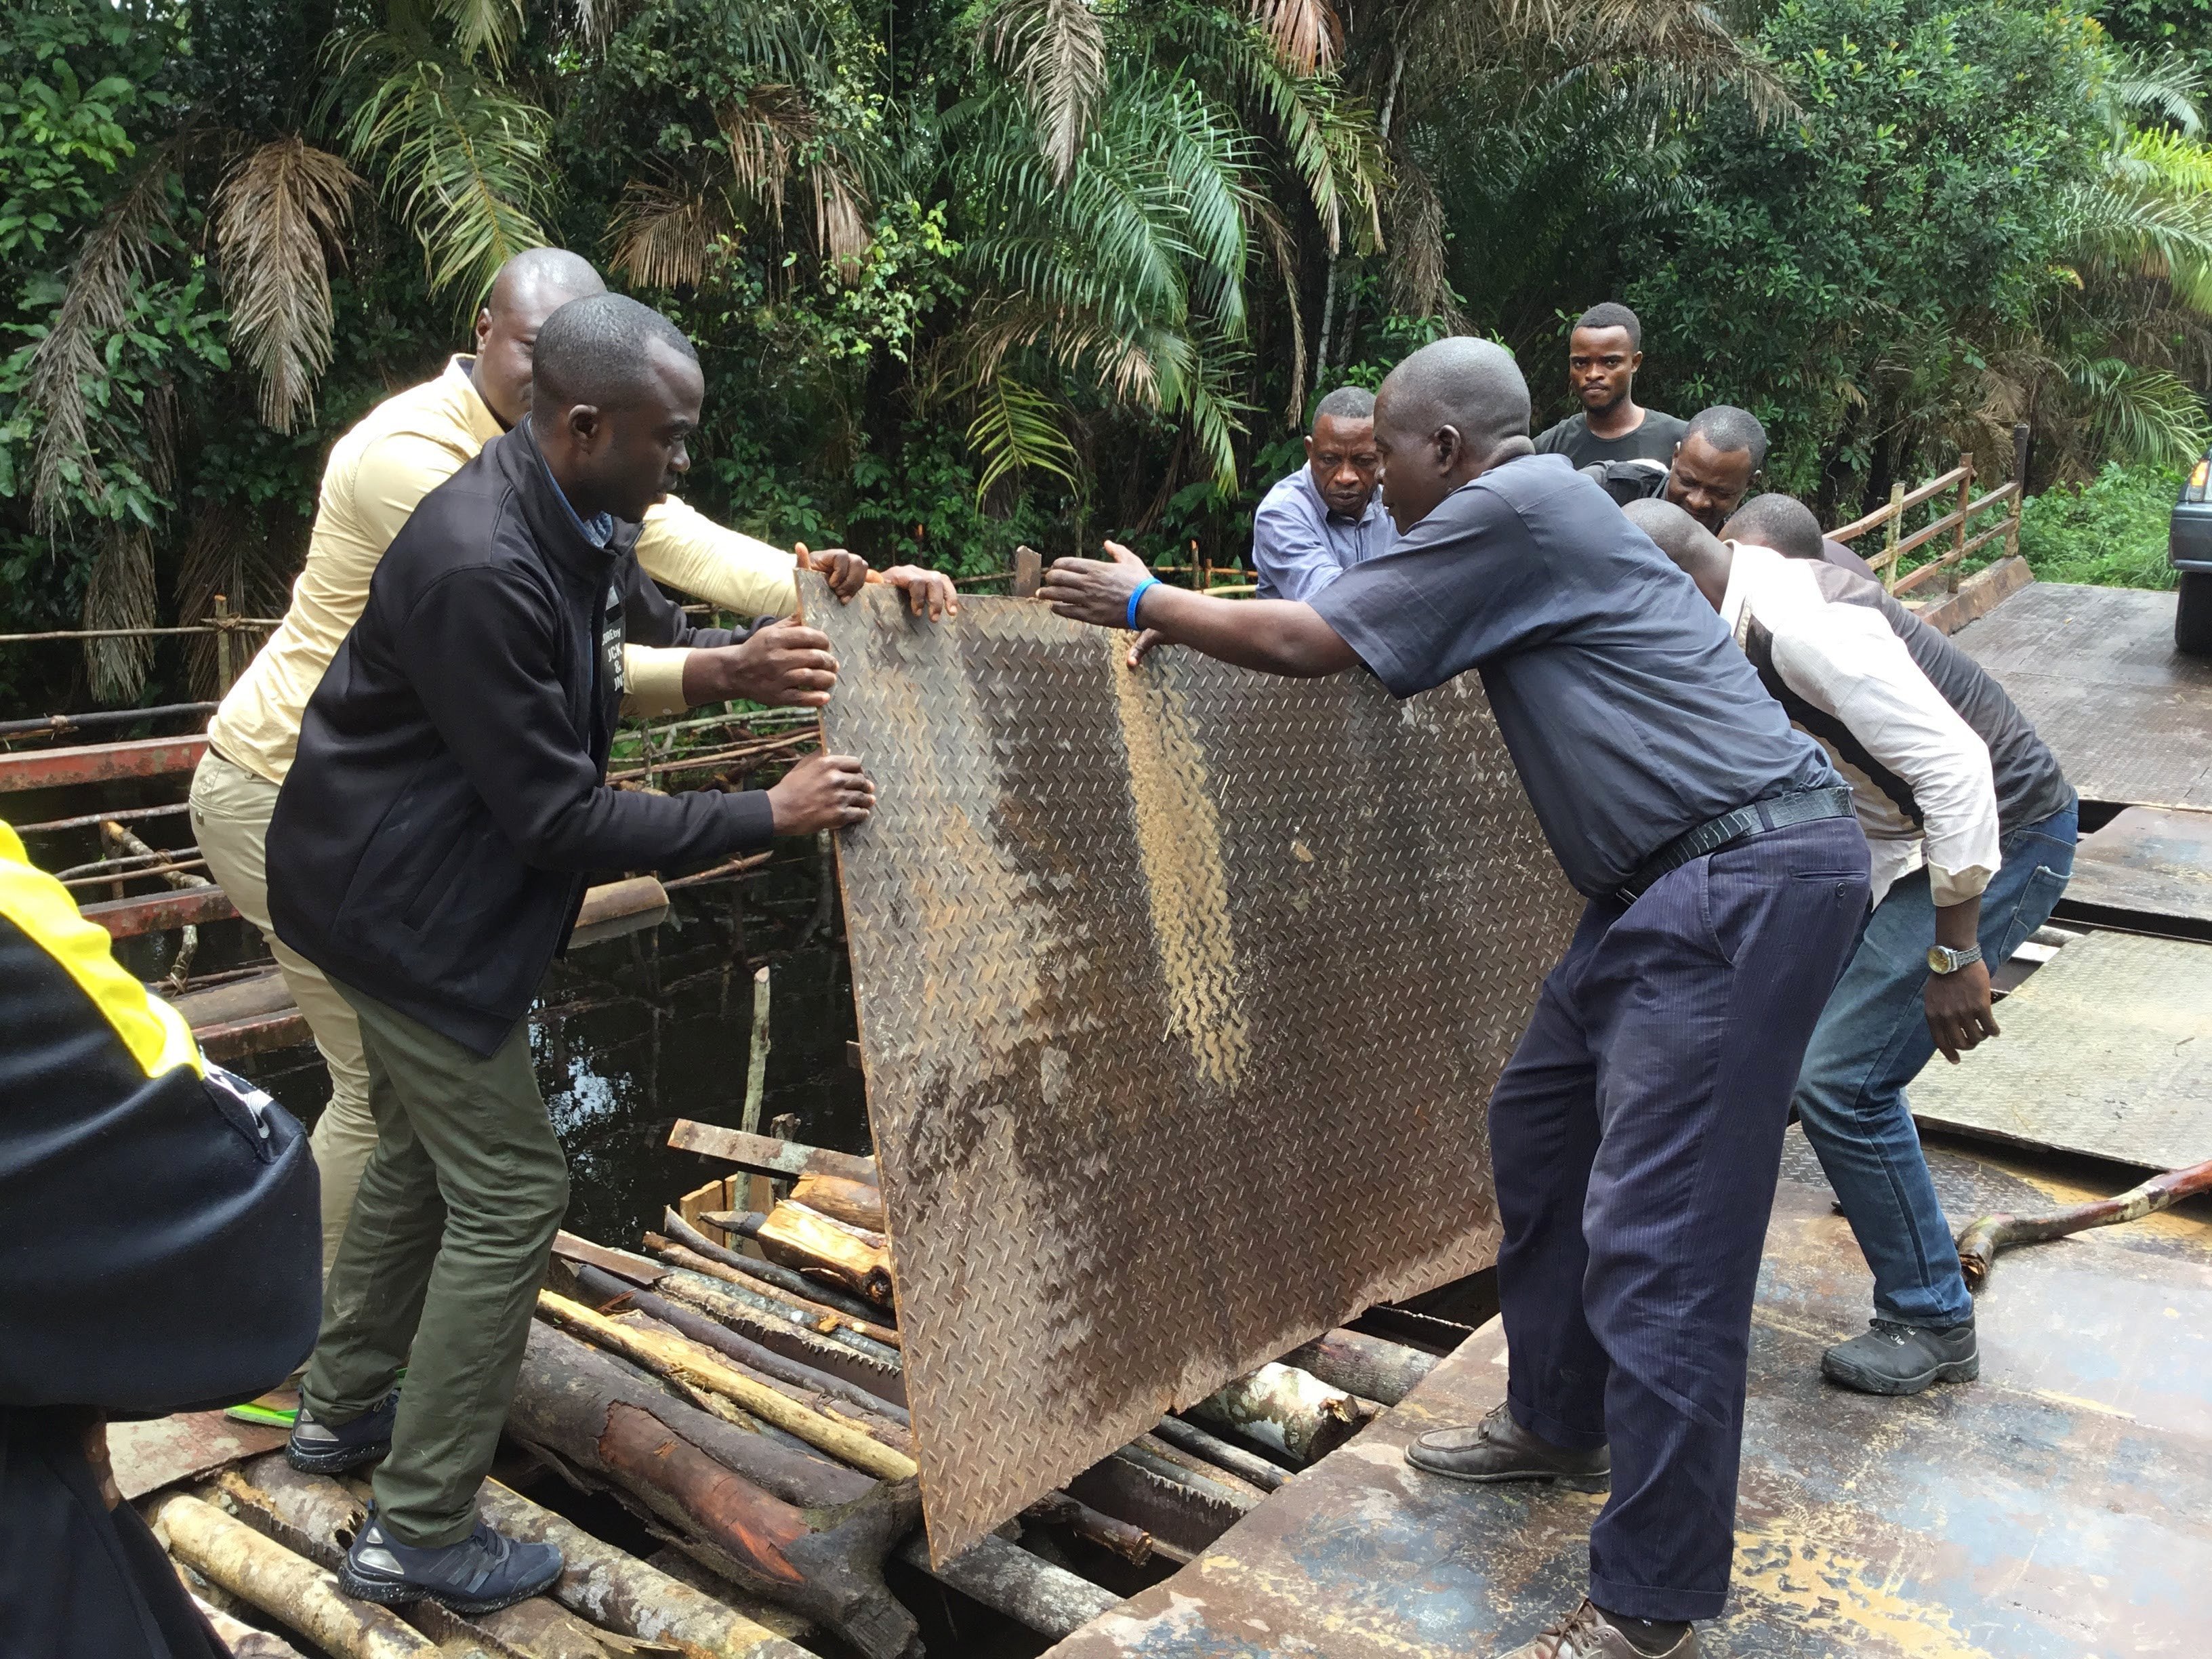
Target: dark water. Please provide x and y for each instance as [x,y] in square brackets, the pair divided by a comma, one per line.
[633,1033]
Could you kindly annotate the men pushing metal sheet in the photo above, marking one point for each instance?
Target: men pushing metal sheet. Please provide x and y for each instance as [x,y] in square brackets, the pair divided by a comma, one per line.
[1182,994]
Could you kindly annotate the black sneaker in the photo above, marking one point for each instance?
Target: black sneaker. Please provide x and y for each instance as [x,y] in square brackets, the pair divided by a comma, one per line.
[326,1447]
[1895,1358]
[485,1571]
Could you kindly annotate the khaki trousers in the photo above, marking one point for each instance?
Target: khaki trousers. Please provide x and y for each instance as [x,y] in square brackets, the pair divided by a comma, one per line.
[231,808]
[440,1264]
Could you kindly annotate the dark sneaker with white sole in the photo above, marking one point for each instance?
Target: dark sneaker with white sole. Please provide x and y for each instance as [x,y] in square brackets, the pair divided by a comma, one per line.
[1893,1358]
[1498,1449]
[320,1448]
[485,1571]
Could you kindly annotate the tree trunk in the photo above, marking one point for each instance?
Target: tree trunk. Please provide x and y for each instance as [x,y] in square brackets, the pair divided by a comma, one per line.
[794,1286]
[285,1586]
[1006,1579]
[1372,1367]
[799,1238]
[855,1202]
[593,1416]
[868,1365]
[608,1291]
[1288,1410]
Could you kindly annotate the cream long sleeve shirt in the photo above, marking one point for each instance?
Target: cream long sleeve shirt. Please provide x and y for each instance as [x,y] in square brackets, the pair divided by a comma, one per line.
[1920,777]
[394,456]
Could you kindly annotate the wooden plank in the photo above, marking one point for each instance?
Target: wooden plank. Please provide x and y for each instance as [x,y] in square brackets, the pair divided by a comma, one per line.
[258,1034]
[637,1269]
[764,1155]
[617,907]
[1977,595]
[156,913]
[99,763]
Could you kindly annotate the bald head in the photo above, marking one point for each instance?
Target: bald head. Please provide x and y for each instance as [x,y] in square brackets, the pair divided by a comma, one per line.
[1446,413]
[1781,522]
[1687,543]
[530,288]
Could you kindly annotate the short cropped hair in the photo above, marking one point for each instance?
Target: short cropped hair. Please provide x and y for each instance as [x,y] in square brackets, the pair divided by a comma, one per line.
[1781,522]
[1612,314]
[1727,428]
[598,351]
[1347,402]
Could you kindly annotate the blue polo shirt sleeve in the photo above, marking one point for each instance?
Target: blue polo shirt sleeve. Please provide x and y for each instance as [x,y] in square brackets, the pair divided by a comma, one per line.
[1289,548]
[1465,585]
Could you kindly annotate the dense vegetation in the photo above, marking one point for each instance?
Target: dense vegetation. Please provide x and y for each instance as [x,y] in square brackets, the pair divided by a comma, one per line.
[967,274]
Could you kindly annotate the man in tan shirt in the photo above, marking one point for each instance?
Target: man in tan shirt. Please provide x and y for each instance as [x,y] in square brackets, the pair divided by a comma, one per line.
[378,471]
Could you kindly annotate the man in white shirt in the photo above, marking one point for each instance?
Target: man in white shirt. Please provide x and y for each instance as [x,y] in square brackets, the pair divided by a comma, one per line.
[1968,859]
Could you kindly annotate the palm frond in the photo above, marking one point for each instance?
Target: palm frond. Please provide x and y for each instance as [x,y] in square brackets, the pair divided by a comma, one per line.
[246,555]
[1056,50]
[662,234]
[2141,415]
[464,160]
[1016,428]
[120,594]
[596,21]
[489,27]
[115,257]
[1327,137]
[278,214]
[1309,36]
[2160,87]
[2150,211]
[764,131]
[841,227]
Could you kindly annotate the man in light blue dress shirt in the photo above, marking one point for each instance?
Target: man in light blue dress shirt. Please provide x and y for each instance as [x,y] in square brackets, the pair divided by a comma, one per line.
[1326,516]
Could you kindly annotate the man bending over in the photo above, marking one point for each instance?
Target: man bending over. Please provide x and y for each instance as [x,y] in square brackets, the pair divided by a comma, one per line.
[1635,1133]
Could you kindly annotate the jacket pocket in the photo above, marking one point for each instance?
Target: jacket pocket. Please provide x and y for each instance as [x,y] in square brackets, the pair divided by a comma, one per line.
[439,886]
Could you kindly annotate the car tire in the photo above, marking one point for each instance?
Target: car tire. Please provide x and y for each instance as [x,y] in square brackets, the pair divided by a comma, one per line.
[2192,616]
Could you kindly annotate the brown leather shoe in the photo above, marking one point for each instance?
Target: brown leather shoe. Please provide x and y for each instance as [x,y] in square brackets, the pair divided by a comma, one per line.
[1500,1449]
[1587,1634]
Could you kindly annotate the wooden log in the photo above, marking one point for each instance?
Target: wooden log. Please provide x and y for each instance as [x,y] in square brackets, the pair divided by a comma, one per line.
[1132,1544]
[614,1589]
[1287,1410]
[622,1264]
[1371,1367]
[805,1240]
[756,1356]
[314,1516]
[878,1428]
[839,1435]
[768,1279]
[557,1366]
[675,1463]
[857,1203]
[1006,1579]
[1177,1464]
[1213,1449]
[841,1353]
[245,1642]
[288,1587]
[763,1155]
[1981,1241]
[1183,1522]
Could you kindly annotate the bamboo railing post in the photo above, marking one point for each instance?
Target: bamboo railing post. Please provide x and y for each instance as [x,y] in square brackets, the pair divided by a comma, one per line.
[226,666]
[756,1062]
[1958,529]
[2018,487]
[1890,528]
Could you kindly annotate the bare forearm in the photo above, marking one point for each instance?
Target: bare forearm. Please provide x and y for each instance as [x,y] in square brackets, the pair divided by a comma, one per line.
[1276,636]
[1957,926]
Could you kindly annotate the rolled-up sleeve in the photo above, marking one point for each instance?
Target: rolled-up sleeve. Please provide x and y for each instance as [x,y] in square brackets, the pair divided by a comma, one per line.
[692,553]
[1846,660]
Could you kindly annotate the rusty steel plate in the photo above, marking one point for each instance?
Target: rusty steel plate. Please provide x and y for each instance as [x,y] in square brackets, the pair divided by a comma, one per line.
[2146,868]
[2094,668]
[1181,995]
[2061,1508]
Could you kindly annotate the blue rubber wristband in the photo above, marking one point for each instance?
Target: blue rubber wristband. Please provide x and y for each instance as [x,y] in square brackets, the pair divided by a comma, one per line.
[1149,581]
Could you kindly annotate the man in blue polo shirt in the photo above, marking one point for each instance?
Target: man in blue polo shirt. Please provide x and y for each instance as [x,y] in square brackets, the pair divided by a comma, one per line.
[1326,516]
[1636,1132]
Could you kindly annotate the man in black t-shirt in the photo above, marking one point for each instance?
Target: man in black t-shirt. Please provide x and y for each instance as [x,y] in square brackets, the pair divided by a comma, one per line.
[1635,1133]
[1603,354]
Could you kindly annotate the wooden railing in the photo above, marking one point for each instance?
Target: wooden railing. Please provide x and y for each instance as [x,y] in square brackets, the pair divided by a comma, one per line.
[1941,573]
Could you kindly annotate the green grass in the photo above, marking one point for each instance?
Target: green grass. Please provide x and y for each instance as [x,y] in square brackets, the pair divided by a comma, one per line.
[2109,532]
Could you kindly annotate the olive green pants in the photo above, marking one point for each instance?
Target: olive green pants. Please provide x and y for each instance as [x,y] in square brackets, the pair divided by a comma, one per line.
[441,1263]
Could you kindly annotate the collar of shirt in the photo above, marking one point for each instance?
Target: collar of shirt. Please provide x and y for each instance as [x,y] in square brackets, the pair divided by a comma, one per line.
[599,529]
[469,411]
[1329,514]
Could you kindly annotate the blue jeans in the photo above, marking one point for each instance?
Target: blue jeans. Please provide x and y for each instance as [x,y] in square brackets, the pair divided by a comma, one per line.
[1873,1039]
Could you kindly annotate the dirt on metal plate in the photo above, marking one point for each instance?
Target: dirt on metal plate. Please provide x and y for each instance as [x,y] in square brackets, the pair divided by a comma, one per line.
[1181,993]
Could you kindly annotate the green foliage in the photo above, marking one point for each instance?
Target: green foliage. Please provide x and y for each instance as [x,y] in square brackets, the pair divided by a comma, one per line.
[2111,531]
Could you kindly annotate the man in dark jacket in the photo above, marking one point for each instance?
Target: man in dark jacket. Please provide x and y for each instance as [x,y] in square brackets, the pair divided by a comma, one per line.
[158,1253]
[428,852]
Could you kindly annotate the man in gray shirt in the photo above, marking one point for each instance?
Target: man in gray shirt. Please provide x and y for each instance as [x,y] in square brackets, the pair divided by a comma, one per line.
[1603,354]
[1326,516]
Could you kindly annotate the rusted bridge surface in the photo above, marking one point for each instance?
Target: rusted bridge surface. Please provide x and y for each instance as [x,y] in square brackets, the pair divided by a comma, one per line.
[1180,992]
[2060,1509]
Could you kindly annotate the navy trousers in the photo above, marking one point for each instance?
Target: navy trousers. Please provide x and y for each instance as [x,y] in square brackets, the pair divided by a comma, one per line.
[1635,1136]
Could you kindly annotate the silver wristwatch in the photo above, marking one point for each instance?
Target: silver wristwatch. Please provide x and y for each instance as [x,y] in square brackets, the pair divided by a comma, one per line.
[1943,959]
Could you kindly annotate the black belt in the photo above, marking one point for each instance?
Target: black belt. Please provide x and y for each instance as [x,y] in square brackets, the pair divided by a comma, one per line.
[1805,807]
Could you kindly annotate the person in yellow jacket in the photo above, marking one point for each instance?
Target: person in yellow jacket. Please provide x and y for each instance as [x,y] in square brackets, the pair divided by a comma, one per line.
[378,472]
[158,1230]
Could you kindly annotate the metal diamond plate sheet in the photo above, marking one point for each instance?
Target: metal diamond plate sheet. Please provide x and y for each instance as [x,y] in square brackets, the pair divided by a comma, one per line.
[1181,994]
